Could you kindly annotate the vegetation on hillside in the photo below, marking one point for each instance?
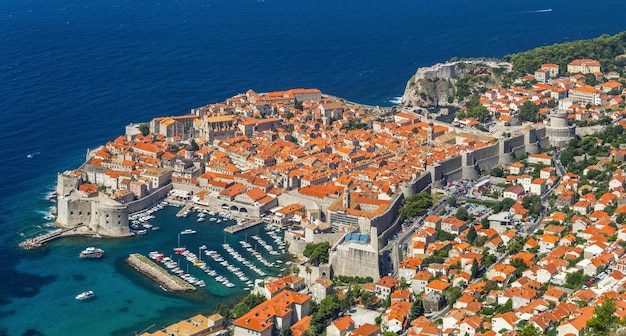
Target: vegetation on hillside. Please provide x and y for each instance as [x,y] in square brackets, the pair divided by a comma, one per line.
[603,49]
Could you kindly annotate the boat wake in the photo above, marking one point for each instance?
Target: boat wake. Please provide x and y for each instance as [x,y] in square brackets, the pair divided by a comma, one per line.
[396,100]
[32,155]
[548,10]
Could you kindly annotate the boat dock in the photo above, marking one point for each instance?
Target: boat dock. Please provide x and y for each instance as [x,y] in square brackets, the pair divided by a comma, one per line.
[184,211]
[169,282]
[39,241]
[244,225]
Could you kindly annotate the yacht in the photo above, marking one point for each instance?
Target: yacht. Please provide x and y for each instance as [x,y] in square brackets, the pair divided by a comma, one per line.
[91,252]
[187,231]
[85,295]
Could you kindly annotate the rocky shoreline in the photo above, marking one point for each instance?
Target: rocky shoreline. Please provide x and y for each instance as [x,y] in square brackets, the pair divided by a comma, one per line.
[169,282]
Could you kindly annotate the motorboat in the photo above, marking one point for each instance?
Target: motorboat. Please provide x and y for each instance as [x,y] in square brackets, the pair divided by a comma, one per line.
[91,252]
[85,295]
[187,231]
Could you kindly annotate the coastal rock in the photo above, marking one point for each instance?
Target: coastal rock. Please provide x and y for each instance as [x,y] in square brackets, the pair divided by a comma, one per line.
[436,86]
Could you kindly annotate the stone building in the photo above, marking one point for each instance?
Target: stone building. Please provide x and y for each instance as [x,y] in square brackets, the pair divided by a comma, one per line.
[559,131]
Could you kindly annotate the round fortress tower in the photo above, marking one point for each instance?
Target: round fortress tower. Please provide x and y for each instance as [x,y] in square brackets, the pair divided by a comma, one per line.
[559,131]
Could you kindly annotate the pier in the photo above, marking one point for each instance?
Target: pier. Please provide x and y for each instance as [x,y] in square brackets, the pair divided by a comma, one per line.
[185,209]
[245,225]
[39,241]
[169,282]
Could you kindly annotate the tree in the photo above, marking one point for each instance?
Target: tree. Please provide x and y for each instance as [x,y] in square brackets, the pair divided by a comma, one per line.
[529,329]
[240,309]
[462,214]
[308,271]
[529,112]
[387,302]
[415,205]
[144,129]
[471,235]
[451,201]
[532,204]
[317,253]
[452,294]
[417,309]
[576,279]
[505,308]
[474,268]
[194,145]
[604,319]
[286,332]
[496,171]
[253,300]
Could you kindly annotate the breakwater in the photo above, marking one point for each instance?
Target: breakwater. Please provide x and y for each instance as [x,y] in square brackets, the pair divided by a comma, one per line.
[155,272]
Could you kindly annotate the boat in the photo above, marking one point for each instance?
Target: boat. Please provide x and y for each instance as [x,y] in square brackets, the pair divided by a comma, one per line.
[91,252]
[85,295]
[187,231]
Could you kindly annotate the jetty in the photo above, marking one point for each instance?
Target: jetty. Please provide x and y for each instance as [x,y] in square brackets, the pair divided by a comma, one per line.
[158,274]
[184,211]
[242,226]
[39,241]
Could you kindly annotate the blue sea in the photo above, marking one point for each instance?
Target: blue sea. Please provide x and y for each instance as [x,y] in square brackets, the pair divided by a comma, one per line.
[74,73]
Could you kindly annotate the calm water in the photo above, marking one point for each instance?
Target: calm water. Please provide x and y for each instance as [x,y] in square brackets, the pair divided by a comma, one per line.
[75,72]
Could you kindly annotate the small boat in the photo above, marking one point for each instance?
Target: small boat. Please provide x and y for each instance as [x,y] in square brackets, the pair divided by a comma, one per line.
[85,295]
[187,231]
[91,252]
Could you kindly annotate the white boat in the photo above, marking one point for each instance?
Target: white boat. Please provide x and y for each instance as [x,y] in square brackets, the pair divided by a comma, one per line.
[91,252]
[187,231]
[85,295]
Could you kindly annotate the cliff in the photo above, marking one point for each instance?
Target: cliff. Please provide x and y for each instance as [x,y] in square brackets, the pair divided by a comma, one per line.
[441,85]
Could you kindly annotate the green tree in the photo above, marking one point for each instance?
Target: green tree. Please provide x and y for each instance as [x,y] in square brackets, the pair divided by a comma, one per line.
[317,253]
[471,235]
[286,332]
[576,279]
[532,204]
[529,112]
[462,214]
[529,329]
[390,333]
[253,300]
[496,171]
[474,269]
[144,128]
[451,201]
[452,294]
[415,205]
[505,308]
[194,145]
[240,309]
[604,319]
[417,309]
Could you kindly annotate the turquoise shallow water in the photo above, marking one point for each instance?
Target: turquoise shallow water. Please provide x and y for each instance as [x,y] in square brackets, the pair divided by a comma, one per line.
[126,301]
[73,73]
